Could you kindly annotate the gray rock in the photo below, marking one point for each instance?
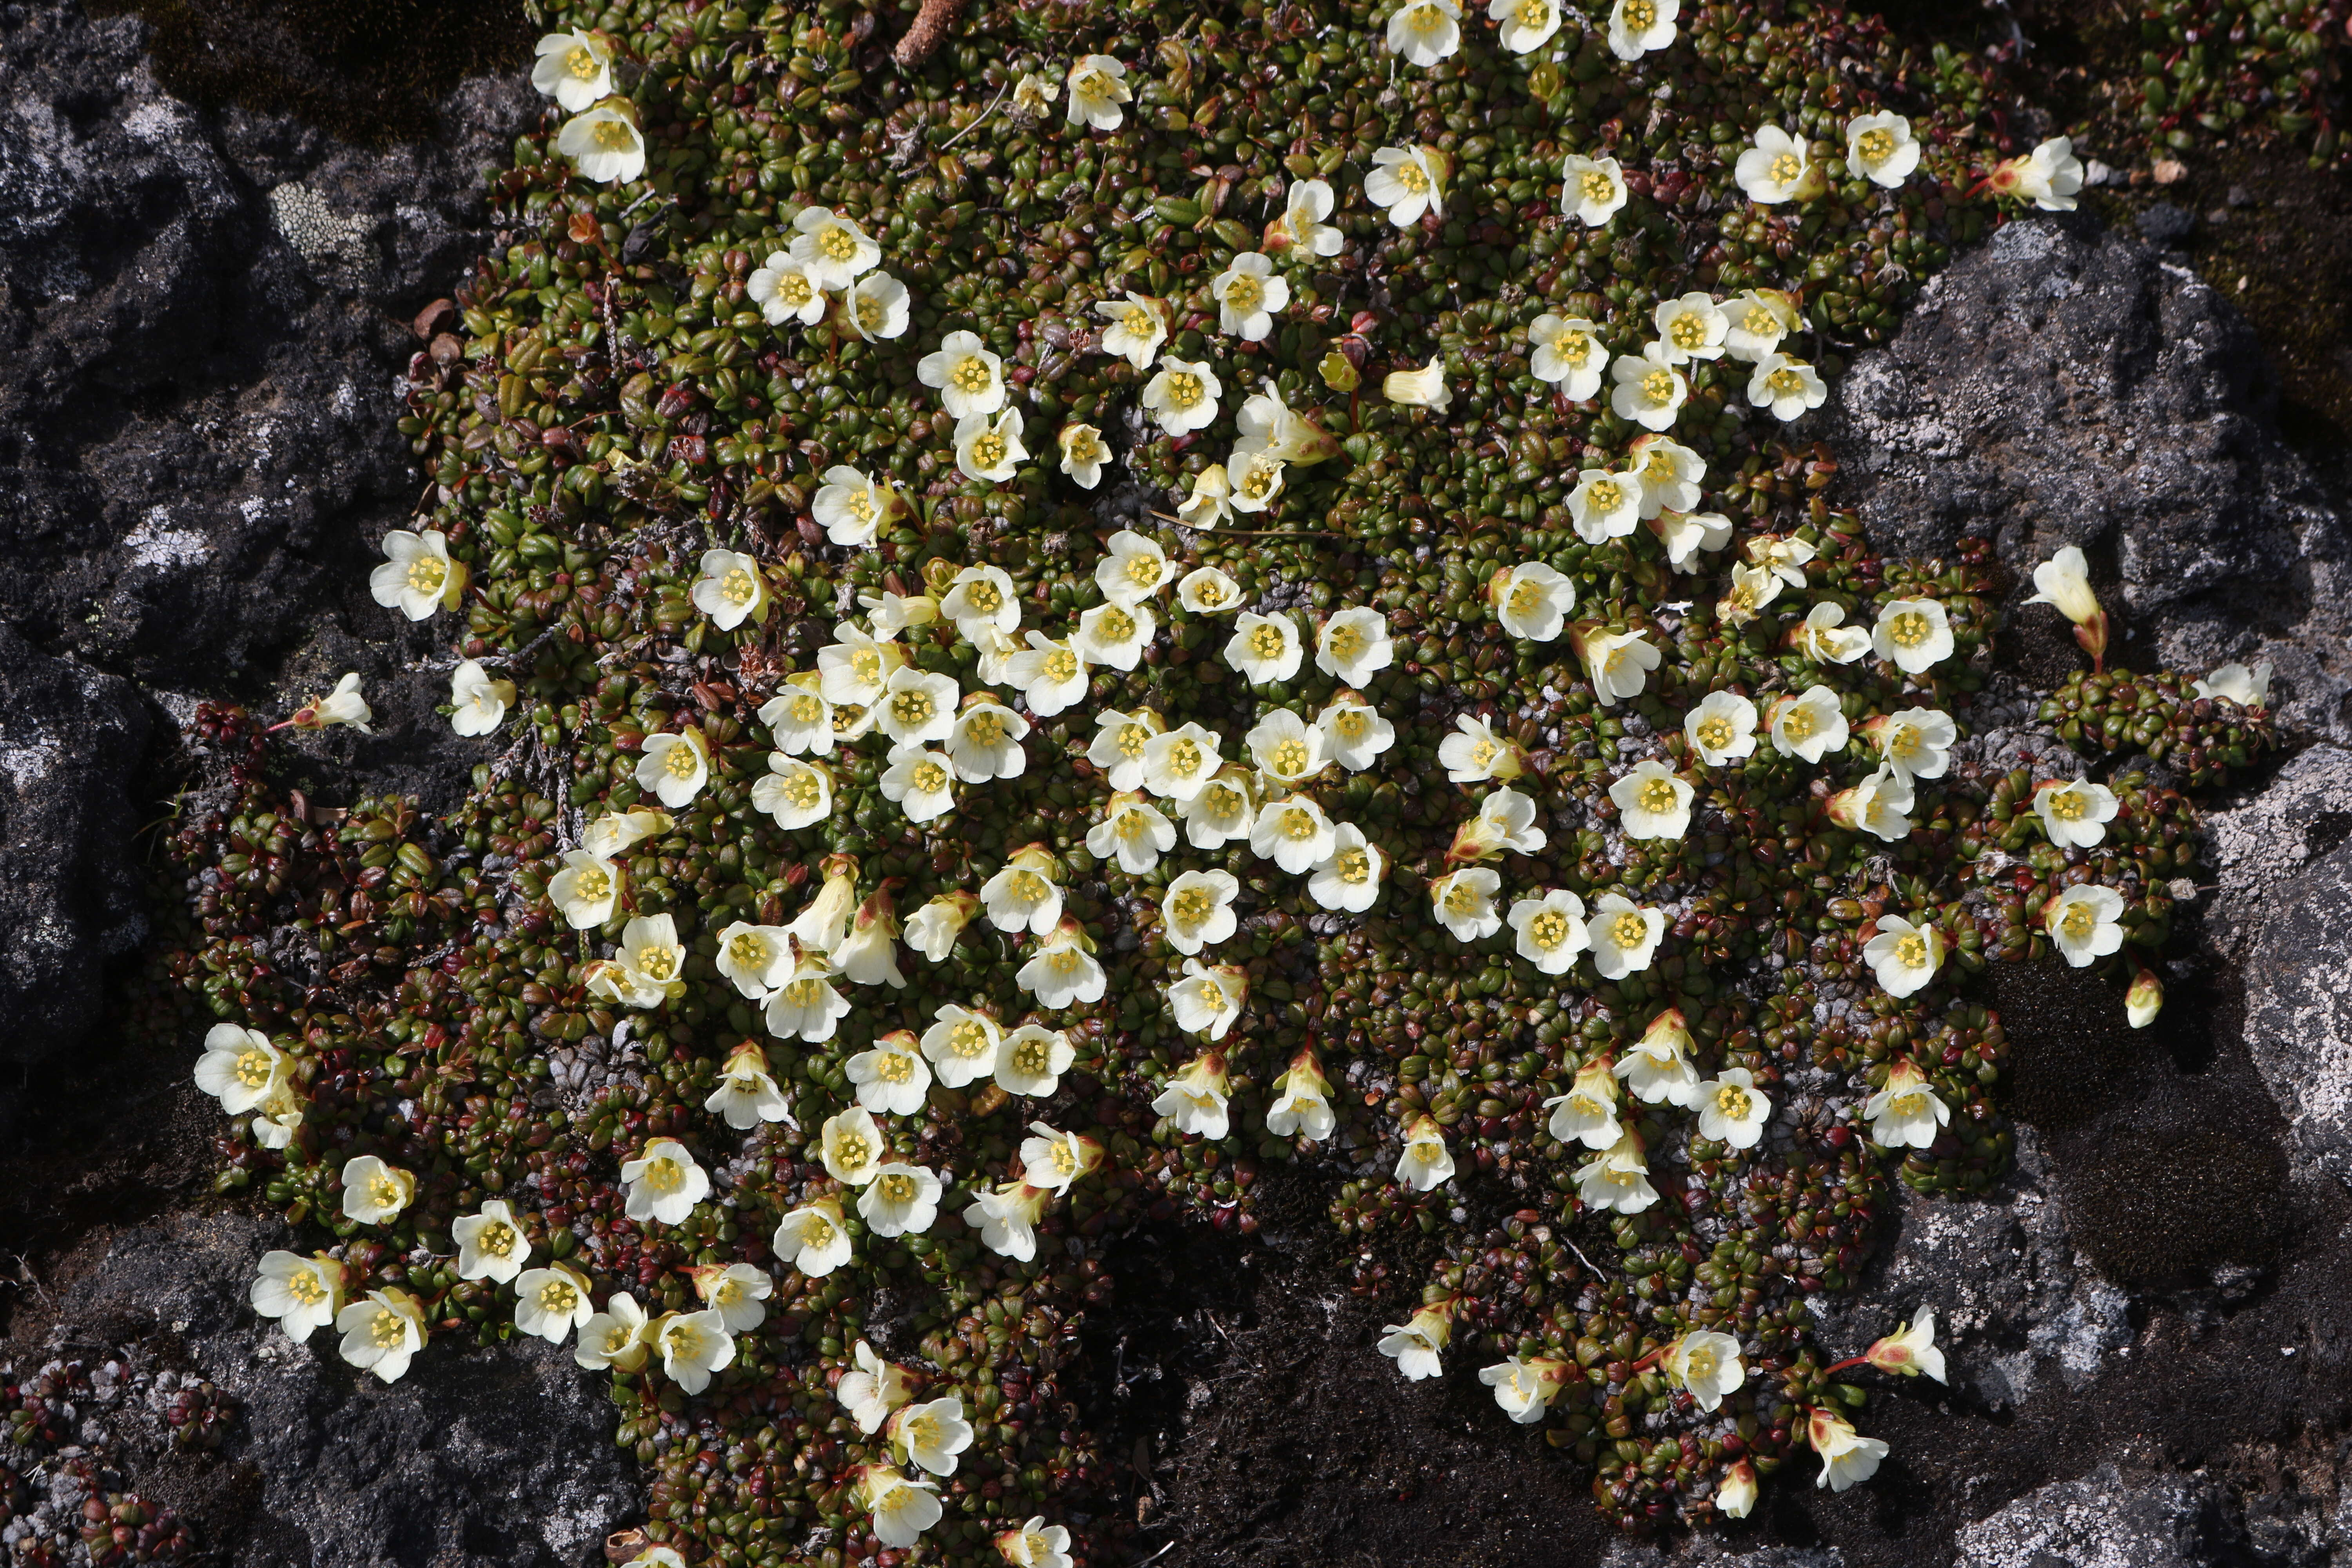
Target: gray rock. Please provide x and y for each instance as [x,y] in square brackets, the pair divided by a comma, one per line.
[2266,837]
[2299,1010]
[2099,1521]
[1702,1551]
[475,1459]
[2063,386]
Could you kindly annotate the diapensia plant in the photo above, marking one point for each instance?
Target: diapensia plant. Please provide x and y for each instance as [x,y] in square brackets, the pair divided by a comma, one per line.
[1165,592]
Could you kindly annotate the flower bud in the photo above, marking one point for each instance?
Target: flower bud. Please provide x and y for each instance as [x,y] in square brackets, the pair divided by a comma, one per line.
[2144,1000]
[2064,581]
[1735,1495]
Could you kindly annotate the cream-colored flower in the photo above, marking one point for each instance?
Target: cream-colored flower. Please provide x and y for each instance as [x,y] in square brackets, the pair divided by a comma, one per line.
[1138,325]
[961,1045]
[2075,814]
[795,794]
[878,307]
[2248,689]
[1903,957]
[1606,505]
[869,955]
[1182,398]
[1705,1365]
[1670,474]
[1032,1060]
[1685,536]
[1624,936]
[2050,176]
[746,1094]
[675,765]
[616,832]
[1657,1068]
[1265,648]
[1789,387]
[833,248]
[1732,1109]
[1735,1494]
[968,375]
[652,960]
[902,1200]
[1209,502]
[851,1146]
[1301,224]
[1878,806]
[2085,923]
[1426,1161]
[1847,1458]
[550,1302]
[1114,636]
[1294,833]
[574,69]
[806,1006]
[1054,1160]
[1285,748]
[1916,743]
[417,576]
[663,1183]
[1911,1352]
[1255,479]
[1465,902]
[1034,93]
[1064,971]
[1652,801]
[1906,1113]
[1752,588]
[988,448]
[1587,1113]
[933,929]
[1353,646]
[1208,591]
[1691,327]
[917,707]
[1721,729]
[815,1240]
[1638,27]
[605,143]
[585,889]
[1525,1389]
[240,1068]
[481,703]
[1133,568]
[491,1244]
[1825,638]
[1650,390]
[1567,352]
[872,1388]
[933,1434]
[1408,181]
[1881,149]
[985,740]
[303,1293]
[738,1293]
[383,1332]
[1224,810]
[2064,582]
[1097,90]
[1417,1344]
[1133,831]
[1807,726]
[1525,25]
[344,705]
[920,781]
[1084,453]
[1506,820]
[1619,663]
[1354,734]
[1550,930]
[1007,1220]
[785,291]
[1208,1001]
[892,1076]
[1773,171]
[1023,896]
[1423,388]
[1349,878]
[1195,1098]
[693,1346]
[1913,635]
[1424,31]
[1052,674]
[373,1192]
[1178,764]
[1247,292]
[1756,320]
[851,507]
[1617,1181]
[1302,1101]
[981,599]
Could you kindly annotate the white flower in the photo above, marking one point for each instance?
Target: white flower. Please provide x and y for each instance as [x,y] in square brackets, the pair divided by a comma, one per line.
[303,1293]
[1670,474]
[1409,181]
[961,1045]
[1054,1160]
[1133,831]
[1721,729]
[813,1240]
[1509,817]
[1623,936]
[1247,292]
[481,703]
[1082,452]
[240,1068]
[552,1301]
[1423,388]
[1906,1113]
[1526,25]
[1023,896]
[869,955]
[737,1293]
[1789,387]
[1138,327]
[1178,764]
[574,69]
[344,705]
[1098,89]
[1567,354]
[1690,328]
[1426,1161]
[1877,805]
[746,1093]
[1416,1345]
[604,144]
[989,449]
[1587,1113]
[1182,396]
[2049,177]
[1825,638]
[833,248]
[822,925]
[585,889]
[1255,478]
[902,1200]
[1638,27]
[1209,502]
[1349,878]
[491,1244]
[1532,601]
[1846,1458]
[1265,648]
[1307,205]
[933,1434]
[1650,391]
[1903,957]
[922,783]
[693,1346]
[675,765]
[850,1144]
[1208,1001]
[1424,31]
[1916,743]
[1758,319]
[381,1332]
[1269,424]
[1657,1068]
[795,794]
[1222,811]
[1197,909]
[1808,725]
[1685,535]
[1525,1389]
[1911,1352]
[1752,588]
[1619,1181]
[984,740]
[652,960]
[850,507]
[1465,902]
[373,1192]
[1705,1364]
[417,576]
[1550,930]
[1354,734]
[2248,689]
[917,708]
[980,600]
[616,832]
[1773,170]
[892,1076]
[933,929]
[1032,1060]
[806,1006]
[1652,801]
[1913,635]
[1007,1220]
[1294,833]
[2083,922]
[784,291]
[872,1388]
[970,378]
[1735,1494]
[878,307]
[1302,1105]
[1353,646]
[1881,149]
[1732,1109]
[1052,674]
[1194,1100]
[1207,591]
[663,1183]
[1062,972]
[2064,582]
[890,614]
[1114,636]
[1619,664]
[1133,568]
[2075,814]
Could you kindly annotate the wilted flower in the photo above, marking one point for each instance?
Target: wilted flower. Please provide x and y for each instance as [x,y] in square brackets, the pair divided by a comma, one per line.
[1638,27]
[381,1332]
[373,1192]
[1652,801]
[901,1199]
[2248,689]
[811,1239]
[417,576]
[573,69]
[675,765]
[1063,970]
[604,144]
[1846,1457]
[1416,1345]
[303,1293]
[1906,1113]
[1097,90]
[1774,170]
[1133,832]
[1881,148]
[1208,1001]
[1182,396]
[1423,388]
[1408,181]
[1789,387]
[1550,930]
[550,1302]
